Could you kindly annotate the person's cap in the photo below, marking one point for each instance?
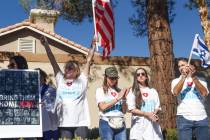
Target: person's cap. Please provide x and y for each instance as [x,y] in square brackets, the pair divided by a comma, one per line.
[111,72]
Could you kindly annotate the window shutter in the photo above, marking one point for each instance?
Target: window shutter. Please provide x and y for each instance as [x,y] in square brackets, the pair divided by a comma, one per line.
[26,45]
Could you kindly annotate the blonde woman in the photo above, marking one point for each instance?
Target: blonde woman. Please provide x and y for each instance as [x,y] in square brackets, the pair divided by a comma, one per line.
[71,94]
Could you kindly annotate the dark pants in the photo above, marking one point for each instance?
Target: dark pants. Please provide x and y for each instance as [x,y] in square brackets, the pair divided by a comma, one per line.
[71,132]
[50,135]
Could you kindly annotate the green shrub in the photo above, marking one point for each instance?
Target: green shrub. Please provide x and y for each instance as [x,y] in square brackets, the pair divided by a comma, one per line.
[170,134]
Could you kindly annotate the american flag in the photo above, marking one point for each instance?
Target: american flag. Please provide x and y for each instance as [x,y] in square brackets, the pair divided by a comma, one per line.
[104,25]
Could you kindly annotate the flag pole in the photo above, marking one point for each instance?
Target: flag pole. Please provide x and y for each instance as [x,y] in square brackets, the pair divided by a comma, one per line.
[94,23]
[190,57]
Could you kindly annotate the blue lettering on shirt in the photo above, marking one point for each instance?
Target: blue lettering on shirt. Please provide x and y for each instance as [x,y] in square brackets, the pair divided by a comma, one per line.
[189,93]
[72,93]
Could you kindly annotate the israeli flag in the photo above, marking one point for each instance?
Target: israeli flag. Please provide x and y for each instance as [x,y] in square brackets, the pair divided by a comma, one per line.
[200,49]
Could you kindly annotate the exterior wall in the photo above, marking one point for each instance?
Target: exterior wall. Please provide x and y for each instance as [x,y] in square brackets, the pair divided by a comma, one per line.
[9,43]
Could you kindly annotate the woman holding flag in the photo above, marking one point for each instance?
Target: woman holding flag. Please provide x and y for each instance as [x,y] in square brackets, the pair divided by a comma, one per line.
[71,97]
[191,92]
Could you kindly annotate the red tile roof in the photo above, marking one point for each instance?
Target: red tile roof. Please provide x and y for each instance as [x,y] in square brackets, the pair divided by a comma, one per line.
[26,24]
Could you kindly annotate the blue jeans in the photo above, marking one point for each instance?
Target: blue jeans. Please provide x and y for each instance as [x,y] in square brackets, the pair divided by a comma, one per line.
[108,133]
[186,127]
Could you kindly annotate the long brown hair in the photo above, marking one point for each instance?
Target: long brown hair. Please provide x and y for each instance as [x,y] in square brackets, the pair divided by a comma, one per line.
[106,86]
[136,88]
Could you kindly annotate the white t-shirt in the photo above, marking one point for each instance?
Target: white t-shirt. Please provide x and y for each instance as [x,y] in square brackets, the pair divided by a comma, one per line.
[49,118]
[190,102]
[141,127]
[74,105]
[115,110]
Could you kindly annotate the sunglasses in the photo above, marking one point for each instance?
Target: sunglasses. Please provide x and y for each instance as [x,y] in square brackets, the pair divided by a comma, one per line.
[113,78]
[70,69]
[142,74]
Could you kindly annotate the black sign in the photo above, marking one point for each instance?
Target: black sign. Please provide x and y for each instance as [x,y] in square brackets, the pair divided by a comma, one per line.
[19,97]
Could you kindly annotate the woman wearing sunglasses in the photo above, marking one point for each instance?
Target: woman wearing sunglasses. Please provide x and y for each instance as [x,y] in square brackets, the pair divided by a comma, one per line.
[111,103]
[143,102]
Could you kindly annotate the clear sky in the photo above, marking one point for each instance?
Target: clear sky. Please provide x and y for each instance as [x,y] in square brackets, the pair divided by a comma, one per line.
[184,27]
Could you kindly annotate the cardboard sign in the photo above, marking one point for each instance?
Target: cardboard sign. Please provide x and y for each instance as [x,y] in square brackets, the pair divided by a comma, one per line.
[20,111]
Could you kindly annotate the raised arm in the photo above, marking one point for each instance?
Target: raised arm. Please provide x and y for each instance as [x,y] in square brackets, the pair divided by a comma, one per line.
[124,104]
[178,87]
[50,55]
[86,70]
[202,90]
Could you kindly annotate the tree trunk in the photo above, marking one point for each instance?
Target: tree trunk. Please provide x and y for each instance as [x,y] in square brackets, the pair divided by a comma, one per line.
[203,12]
[161,58]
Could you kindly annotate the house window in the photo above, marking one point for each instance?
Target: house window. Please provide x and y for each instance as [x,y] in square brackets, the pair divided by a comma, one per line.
[26,45]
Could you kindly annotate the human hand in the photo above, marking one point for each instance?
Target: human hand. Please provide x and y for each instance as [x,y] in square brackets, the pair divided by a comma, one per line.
[152,116]
[42,103]
[122,94]
[184,71]
[44,41]
[192,71]
[94,41]
[91,51]
[157,111]
[127,91]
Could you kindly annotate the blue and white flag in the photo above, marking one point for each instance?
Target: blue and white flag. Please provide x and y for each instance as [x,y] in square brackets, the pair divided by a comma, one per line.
[200,49]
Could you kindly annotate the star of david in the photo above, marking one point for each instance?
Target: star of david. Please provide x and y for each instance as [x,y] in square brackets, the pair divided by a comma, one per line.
[203,53]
